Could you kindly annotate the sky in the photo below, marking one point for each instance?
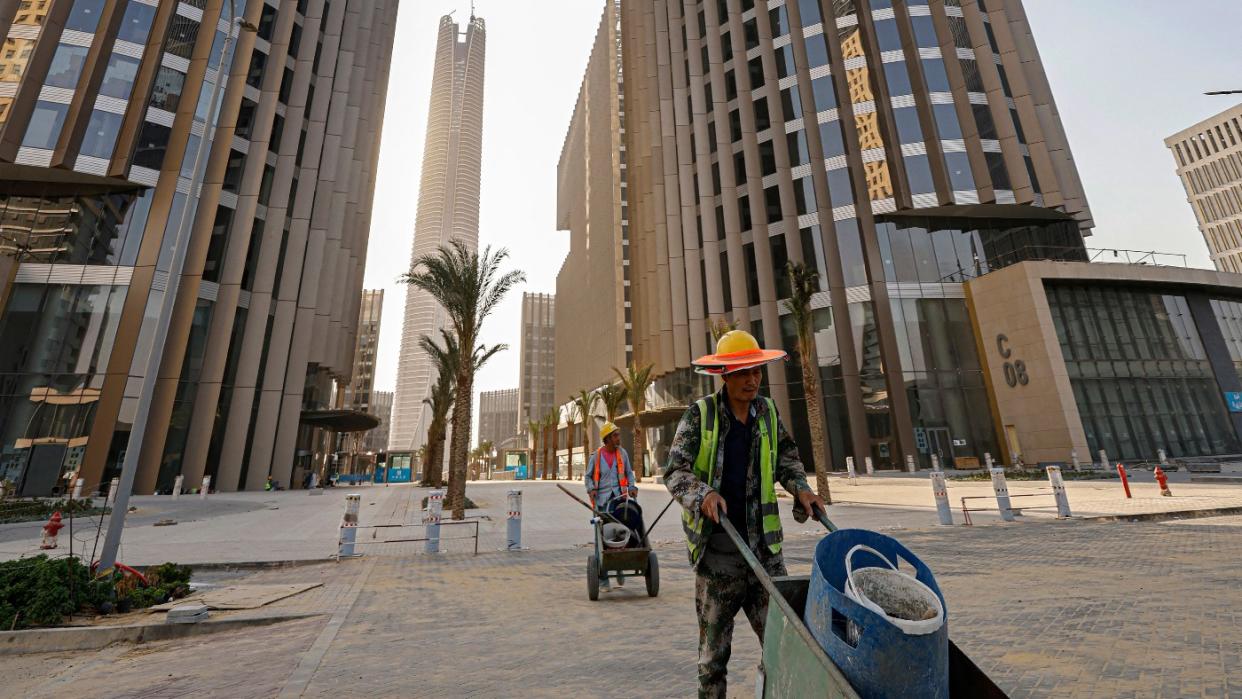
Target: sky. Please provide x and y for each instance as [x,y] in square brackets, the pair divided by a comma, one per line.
[1125,73]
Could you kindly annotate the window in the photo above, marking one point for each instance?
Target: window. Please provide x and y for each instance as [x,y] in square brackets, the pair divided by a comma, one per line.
[779,18]
[925,31]
[752,275]
[898,79]
[137,22]
[997,170]
[799,154]
[84,17]
[804,196]
[278,128]
[245,119]
[181,36]
[100,137]
[960,176]
[254,77]
[743,209]
[809,11]
[219,243]
[756,74]
[118,79]
[946,121]
[983,119]
[166,92]
[233,171]
[840,187]
[767,158]
[909,129]
[886,32]
[750,30]
[825,94]
[286,86]
[735,126]
[45,125]
[267,20]
[772,203]
[791,104]
[934,73]
[152,142]
[919,172]
[833,139]
[763,120]
[66,66]
[785,64]
[816,51]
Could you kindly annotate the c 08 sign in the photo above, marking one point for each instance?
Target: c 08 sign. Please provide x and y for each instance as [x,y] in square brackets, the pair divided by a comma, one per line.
[1015,370]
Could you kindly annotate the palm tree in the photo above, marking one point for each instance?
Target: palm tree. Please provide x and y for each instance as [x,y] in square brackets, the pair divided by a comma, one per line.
[533,426]
[720,326]
[635,381]
[803,283]
[469,286]
[553,421]
[488,452]
[584,404]
[443,393]
[546,424]
[612,396]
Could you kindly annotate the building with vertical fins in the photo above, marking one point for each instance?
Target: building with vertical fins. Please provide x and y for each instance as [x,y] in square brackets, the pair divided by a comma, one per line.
[103,105]
[537,379]
[912,155]
[361,388]
[448,209]
[1208,157]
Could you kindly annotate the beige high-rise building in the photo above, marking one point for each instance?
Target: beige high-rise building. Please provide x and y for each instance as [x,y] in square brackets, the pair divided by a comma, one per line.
[498,416]
[448,209]
[376,440]
[103,106]
[1208,156]
[592,289]
[360,391]
[538,362]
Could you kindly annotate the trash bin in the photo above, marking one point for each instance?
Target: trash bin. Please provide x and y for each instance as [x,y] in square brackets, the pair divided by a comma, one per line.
[876,654]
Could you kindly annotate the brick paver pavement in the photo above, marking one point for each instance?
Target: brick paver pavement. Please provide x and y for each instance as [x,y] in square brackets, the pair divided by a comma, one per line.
[1047,609]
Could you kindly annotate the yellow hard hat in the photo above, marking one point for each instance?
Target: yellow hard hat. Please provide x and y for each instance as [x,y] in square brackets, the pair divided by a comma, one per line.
[606,429]
[736,350]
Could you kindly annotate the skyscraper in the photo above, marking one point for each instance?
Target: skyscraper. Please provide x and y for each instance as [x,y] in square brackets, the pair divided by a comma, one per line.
[537,378]
[1208,156]
[498,416]
[448,209]
[898,149]
[359,394]
[103,106]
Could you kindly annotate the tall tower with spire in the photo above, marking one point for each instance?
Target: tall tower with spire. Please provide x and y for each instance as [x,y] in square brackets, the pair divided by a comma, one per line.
[448,209]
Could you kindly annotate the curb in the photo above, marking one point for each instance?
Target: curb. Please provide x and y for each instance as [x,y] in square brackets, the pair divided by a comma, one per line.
[260,565]
[1162,516]
[75,638]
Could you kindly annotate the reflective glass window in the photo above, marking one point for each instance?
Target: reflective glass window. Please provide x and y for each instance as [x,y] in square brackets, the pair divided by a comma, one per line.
[809,10]
[909,128]
[825,93]
[181,36]
[785,64]
[66,66]
[772,203]
[816,51]
[799,154]
[780,265]
[84,17]
[804,196]
[752,275]
[267,21]
[100,137]
[886,32]
[791,103]
[960,177]
[767,158]
[166,91]
[925,31]
[779,18]
[935,75]
[919,172]
[983,119]
[997,170]
[840,187]
[833,139]
[849,243]
[756,73]
[118,79]
[254,76]
[763,119]
[136,23]
[45,124]
[152,143]
[898,79]
[946,121]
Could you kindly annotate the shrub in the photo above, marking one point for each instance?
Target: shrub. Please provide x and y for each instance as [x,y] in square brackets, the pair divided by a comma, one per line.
[41,591]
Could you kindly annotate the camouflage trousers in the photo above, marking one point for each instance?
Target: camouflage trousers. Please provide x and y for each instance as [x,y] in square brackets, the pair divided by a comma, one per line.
[724,584]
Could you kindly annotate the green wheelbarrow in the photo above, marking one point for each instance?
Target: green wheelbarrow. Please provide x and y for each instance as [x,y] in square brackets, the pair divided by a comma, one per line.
[794,664]
[607,564]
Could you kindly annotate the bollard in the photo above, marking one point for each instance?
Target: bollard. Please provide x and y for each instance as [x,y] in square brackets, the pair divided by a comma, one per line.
[1058,492]
[435,505]
[1163,457]
[77,488]
[1163,481]
[515,520]
[113,487]
[870,468]
[202,492]
[1125,480]
[849,467]
[1103,460]
[1002,494]
[988,463]
[349,527]
[941,492]
[935,462]
[176,491]
[1074,459]
[910,468]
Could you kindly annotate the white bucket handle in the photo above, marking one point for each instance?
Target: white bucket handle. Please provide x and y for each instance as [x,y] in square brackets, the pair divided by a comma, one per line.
[910,627]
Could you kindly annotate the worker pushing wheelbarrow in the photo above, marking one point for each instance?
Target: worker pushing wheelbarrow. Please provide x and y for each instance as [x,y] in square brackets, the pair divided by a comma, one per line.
[621,545]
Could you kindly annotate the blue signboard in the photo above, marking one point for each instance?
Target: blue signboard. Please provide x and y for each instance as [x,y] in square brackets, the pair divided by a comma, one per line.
[1234,400]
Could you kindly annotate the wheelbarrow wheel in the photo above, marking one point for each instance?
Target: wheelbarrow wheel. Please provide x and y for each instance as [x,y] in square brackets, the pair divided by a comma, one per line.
[653,575]
[592,578]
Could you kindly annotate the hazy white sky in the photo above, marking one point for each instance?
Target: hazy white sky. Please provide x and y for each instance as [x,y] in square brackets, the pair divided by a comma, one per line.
[1126,74]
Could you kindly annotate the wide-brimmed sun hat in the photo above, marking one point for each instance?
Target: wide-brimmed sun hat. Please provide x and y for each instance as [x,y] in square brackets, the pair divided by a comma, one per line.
[736,350]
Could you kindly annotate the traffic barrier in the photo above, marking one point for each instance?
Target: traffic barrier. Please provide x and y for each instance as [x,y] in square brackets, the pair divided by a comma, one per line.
[202,492]
[515,520]
[910,468]
[941,492]
[1058,492]
[177,482]
[435,506]
[349,527]
[1001,488]
[1125,480]
[849,468]
[988,462]
[870,467]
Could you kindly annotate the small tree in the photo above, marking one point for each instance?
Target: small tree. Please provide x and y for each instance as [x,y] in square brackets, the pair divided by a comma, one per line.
[533,427]
[803,283]
[584,404]
[636,381]
[550,423]
[612,396]
[443,394]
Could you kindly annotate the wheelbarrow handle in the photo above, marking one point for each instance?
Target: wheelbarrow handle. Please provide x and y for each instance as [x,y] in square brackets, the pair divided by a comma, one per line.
[822,518]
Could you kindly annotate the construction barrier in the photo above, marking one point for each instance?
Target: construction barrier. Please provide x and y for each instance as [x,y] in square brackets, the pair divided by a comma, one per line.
[910,468]
[849,468]
[1058,492]
[941,492]
[177,482]
[435,506]
[349,526]
[202,492]
[515,521]
[1001,488]
[870,467]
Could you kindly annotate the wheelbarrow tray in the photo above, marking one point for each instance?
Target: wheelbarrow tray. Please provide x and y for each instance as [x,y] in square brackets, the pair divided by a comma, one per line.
[797,667]
[629,561]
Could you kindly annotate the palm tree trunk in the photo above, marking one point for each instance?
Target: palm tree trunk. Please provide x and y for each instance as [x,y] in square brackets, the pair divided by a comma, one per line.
[569,442]
[640,448]
[460,450]
[815,415]
[544,453]
[586,450]
[431,452]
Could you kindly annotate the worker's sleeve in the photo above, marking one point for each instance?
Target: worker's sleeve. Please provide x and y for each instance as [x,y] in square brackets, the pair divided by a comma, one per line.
[679,478]
[789,469]
[586,477]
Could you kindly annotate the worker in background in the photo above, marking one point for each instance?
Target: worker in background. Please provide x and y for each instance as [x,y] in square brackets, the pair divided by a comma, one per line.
[610,484]
[729,451]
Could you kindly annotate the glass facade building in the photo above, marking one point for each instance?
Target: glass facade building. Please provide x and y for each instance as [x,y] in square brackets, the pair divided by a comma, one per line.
[103,107]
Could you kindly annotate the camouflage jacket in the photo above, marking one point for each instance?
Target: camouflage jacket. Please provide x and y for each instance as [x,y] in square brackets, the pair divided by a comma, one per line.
[687,489]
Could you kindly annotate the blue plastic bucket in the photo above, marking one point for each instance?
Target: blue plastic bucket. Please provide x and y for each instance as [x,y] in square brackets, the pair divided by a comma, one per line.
[878,658]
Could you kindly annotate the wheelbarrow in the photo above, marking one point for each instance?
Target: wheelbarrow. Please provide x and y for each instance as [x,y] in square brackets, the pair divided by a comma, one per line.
[608,564]
[794,664]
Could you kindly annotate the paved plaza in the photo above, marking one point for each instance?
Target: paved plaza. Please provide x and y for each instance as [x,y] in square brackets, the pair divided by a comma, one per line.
[1048,609]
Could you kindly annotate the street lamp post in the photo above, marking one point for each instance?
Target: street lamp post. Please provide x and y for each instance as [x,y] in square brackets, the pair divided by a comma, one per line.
[133,448]
[1223,92]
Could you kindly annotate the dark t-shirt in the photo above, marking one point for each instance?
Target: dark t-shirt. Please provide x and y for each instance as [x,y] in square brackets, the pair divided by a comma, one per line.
[737,450]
